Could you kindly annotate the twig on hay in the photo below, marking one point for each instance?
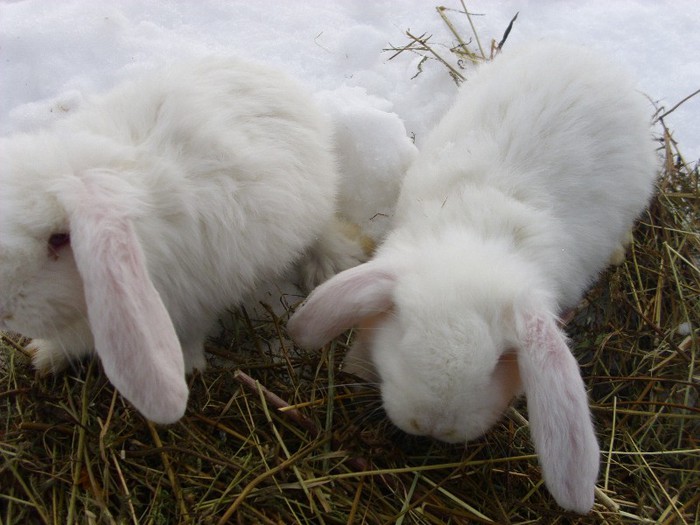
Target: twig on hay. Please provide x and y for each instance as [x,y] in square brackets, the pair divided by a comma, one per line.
[356,463]
[78,468]
[259,479]
[280,404]
[177,491]
[125,488]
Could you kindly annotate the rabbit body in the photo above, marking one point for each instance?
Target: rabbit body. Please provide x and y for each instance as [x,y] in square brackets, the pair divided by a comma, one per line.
[180,191]
[553,130]
[516,202]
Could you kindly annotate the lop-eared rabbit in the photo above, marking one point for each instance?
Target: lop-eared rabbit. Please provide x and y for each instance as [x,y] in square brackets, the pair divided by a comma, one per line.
[516,202]
[130,224]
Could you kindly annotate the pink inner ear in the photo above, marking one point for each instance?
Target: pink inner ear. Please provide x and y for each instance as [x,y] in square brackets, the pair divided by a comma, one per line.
[507,375]
[340,303]
[133,333]
[560,420]
[134,336]
[358,360]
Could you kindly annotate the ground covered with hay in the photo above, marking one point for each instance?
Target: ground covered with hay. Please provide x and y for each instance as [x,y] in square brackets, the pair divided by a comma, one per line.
[286,441]
[275,435]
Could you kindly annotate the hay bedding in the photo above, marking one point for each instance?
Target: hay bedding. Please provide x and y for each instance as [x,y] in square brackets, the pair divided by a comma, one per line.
[286,440]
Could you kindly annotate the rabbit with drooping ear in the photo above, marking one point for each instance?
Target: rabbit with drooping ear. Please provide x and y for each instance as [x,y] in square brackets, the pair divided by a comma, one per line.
[513,207]
[130,224]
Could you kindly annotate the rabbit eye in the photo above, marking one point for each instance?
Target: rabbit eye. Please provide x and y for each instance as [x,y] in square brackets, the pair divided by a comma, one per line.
[59,239]
[56,242]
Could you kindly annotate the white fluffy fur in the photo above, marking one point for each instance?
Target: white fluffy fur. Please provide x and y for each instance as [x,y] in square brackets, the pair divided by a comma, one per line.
[517,201]
[181,191]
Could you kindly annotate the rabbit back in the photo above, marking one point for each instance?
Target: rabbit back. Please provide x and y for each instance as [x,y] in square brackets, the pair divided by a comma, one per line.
[234,170]
[554,131]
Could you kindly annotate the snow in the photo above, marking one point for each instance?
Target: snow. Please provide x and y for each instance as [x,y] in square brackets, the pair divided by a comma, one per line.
[55,53]
[374,152]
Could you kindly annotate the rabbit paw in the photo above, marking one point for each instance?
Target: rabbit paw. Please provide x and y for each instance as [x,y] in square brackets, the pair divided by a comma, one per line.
[48,356]
[194,357]
[619,253]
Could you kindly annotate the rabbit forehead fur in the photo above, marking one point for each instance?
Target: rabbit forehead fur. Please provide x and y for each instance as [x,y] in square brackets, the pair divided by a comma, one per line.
[438,352]
[224,167]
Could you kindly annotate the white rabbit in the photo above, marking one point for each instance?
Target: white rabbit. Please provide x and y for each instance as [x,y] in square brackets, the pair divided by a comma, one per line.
[515,204]
[130,224]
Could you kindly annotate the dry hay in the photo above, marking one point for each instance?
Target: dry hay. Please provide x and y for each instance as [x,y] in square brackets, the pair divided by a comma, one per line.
[73,451]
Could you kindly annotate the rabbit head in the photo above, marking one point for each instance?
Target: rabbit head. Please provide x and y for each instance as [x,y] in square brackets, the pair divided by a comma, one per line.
[68,249]
[34,231]
[451,354]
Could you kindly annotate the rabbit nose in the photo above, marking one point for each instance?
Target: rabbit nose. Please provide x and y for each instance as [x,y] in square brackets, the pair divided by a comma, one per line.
[416,426]
[441,432]
[448,435]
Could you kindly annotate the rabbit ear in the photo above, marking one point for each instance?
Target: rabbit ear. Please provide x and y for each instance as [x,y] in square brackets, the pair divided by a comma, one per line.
[560,419]
[133,333]
[342,302]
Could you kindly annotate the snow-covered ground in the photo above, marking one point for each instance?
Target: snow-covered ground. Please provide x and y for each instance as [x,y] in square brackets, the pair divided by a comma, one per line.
[54,53]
